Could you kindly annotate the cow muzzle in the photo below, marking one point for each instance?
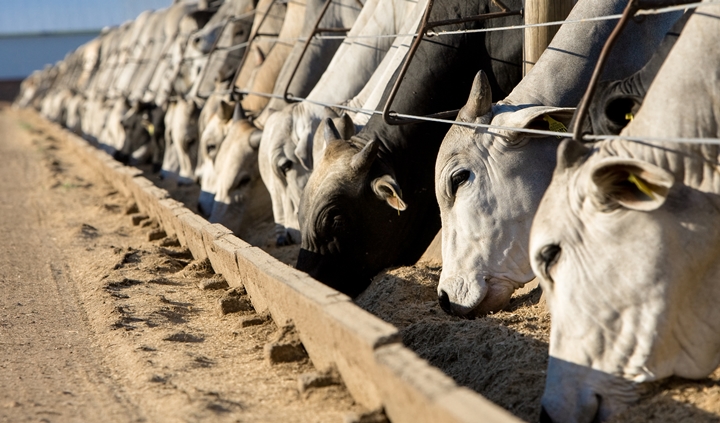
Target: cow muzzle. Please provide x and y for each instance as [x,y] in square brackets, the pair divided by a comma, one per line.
[334,272]
[580,394]
[461,297]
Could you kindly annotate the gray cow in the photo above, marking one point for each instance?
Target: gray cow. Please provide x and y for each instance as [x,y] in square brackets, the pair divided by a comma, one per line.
[489,183]
[626,243]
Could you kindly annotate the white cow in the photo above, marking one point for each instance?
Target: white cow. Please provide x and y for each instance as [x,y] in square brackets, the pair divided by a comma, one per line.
[488,183]
[626,243]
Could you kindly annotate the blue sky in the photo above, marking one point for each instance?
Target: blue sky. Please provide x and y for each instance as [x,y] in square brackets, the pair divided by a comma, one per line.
[23,16]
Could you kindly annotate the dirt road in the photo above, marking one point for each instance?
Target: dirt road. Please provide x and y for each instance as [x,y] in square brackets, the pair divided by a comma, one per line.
[98,323]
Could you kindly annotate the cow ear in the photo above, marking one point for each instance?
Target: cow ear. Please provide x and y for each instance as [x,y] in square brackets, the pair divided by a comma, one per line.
[259,56]
[387,189]
[239,112]
[620,110]
[630,183]
[345,126]
[480,100]
[255,138]
[329,132]
[306,146]
[226,110]
[544,118]
[194,106]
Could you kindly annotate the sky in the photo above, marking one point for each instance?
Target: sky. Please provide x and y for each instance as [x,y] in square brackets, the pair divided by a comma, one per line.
[32,16]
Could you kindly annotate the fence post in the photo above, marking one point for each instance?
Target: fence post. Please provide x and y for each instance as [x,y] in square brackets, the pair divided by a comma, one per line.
[538,38]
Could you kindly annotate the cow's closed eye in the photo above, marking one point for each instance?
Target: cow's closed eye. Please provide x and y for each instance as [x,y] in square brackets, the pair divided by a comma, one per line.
[338,223]
[458,178]
[547,257]
[284,165]
[244,181]
[212,150]
[240,182]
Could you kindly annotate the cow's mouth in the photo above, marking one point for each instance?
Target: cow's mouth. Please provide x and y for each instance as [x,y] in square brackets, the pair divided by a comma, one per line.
[493,296]
[334,271]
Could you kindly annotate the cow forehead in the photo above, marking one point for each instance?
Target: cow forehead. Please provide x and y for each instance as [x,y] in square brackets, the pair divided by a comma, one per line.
[337,153]
[332,174]
[468,142]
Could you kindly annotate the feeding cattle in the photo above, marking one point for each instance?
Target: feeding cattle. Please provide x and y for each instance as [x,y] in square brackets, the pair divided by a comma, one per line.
[241,201]
[626,243]
[269,17]
[182,120]
[287,149]
[214,192]
[488,182]
[369,203]
[212,136]
[623,239]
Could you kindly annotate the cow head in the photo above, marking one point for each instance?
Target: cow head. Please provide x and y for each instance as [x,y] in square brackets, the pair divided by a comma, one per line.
[286,155]
[241,200]
[488,184]
[138,126]
[211,139]
[627,257]
[348,189]
[181,135]
[203,39]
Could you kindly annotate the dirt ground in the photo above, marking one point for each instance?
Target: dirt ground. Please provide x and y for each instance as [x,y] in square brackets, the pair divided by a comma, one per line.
[98,323]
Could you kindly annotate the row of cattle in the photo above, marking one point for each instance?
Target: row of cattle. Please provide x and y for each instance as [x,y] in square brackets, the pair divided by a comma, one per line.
[620,232]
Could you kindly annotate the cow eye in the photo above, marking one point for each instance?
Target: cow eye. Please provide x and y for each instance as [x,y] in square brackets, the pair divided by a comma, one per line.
[458,178]
[548,256]
[338,223]
[244,181]
[285,165]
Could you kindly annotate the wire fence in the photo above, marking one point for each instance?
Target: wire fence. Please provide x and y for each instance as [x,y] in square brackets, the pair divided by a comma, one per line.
[472,125]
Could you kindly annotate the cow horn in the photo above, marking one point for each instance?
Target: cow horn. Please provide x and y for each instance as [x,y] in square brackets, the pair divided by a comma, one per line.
[480,100]
[363,159]
[255,138]
[330,131]
[238,113]
[569,153]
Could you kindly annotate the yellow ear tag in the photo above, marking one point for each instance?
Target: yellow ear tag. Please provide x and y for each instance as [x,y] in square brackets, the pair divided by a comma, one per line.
[629,116]
[555,125]
[641,185]
[150,128]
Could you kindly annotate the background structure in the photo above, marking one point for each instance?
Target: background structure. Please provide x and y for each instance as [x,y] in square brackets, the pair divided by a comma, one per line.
[35,33]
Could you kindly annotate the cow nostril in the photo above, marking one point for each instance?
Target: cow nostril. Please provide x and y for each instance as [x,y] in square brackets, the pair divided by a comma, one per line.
[444,301]
[197,40]
[544,416]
